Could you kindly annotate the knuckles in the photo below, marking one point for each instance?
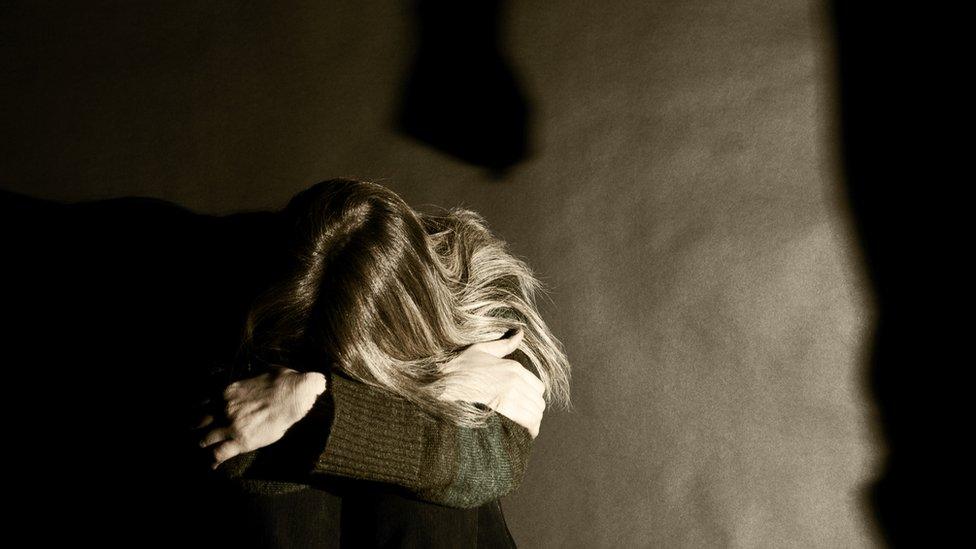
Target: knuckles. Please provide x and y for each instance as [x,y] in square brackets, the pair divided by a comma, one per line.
[245,441]
[316,382]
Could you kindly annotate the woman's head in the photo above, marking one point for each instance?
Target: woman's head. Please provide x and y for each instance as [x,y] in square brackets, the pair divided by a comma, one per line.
[387,295]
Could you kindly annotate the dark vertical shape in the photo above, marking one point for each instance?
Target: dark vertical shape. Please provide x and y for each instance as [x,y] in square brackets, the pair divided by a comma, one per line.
[895,66]
[859,119]
[462,96]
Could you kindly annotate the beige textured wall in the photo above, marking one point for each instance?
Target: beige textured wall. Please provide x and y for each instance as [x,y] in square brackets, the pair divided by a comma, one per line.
[681,202]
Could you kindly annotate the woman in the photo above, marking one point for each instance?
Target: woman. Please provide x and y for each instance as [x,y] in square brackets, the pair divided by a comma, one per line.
[377,356]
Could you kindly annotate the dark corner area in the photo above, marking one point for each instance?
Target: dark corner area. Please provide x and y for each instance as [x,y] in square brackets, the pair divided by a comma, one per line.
[117,312]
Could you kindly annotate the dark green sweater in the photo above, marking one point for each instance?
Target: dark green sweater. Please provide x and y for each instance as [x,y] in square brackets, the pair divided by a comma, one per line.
[375,435]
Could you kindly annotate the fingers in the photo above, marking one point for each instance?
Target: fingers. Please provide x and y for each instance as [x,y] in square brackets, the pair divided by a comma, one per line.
[523,405]
[207,420]
[215,436]
[530,378]
[317,382]
[530,400]
[502,347]
[522,414]
[536,401]
[226,450]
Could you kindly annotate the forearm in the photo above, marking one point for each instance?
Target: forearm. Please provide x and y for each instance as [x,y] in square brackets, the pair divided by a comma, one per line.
[378,437]
[358,431]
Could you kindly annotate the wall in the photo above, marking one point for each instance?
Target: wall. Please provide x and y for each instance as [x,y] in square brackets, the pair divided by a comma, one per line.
[681,200]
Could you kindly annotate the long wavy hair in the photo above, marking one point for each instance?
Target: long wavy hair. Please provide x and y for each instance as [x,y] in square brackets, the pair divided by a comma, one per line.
[388,295]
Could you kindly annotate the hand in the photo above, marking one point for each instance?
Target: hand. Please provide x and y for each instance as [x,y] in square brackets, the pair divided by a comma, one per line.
[480,374]
[260,409]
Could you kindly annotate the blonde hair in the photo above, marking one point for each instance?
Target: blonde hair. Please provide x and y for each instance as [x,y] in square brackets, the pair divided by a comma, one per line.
[388,295]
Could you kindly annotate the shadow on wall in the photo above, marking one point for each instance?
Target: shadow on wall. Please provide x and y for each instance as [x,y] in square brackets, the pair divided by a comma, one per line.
[860,146]
[462,96]
[892,95]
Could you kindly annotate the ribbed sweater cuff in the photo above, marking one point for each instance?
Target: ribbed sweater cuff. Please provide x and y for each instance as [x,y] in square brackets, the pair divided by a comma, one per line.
[374,435]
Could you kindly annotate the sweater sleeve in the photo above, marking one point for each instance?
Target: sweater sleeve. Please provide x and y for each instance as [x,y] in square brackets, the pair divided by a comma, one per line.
[381,437]
[363,432]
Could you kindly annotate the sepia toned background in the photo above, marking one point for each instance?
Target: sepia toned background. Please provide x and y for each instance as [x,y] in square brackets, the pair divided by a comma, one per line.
[680,195]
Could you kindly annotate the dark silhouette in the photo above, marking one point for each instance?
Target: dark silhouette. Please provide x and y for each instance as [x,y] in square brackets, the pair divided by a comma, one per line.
[893,102]
[462,96]
[124,317]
